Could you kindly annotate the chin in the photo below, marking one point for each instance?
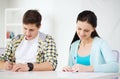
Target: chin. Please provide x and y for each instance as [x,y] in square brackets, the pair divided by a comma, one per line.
[82,38]
[29,38]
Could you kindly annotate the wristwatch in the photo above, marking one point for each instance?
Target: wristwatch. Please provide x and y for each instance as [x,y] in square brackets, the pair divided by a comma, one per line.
[30,65]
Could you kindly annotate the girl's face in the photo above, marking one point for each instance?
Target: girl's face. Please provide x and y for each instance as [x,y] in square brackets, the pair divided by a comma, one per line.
[84,30]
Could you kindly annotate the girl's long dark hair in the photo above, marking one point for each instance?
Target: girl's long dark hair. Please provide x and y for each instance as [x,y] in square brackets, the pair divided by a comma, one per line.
[91,18]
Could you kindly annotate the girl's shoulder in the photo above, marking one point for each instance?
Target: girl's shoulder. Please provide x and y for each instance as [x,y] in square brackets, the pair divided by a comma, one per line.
[75,43]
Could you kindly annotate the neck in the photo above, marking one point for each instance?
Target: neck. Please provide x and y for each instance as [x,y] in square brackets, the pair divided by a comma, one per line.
[86,41]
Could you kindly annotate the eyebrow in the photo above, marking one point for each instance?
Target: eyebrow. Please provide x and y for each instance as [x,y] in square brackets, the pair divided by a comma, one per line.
[84,29]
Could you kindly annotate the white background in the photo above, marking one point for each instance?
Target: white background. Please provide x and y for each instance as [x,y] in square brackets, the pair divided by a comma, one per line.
[59,20]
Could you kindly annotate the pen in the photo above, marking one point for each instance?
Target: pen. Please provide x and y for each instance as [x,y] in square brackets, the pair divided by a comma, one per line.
[74,60]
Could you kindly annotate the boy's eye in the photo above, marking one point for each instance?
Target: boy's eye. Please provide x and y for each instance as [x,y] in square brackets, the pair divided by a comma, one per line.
[79,28]
[25,28]
[31,30]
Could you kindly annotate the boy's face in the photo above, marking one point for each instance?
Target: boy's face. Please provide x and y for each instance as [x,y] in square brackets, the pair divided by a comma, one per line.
[30,31]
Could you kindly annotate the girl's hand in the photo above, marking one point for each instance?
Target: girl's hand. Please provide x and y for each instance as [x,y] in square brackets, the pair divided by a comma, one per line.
[67,69]
[82,68]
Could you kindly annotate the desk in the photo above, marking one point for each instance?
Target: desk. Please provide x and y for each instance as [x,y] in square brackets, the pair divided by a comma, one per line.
[56,75]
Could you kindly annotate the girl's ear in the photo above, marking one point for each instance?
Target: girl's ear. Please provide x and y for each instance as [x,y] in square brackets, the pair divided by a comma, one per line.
[94,29]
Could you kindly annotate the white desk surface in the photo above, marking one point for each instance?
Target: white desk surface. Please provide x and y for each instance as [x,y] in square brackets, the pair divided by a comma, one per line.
[57,75]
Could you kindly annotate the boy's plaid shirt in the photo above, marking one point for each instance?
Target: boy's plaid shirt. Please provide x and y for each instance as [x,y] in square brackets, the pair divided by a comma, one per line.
[46,50]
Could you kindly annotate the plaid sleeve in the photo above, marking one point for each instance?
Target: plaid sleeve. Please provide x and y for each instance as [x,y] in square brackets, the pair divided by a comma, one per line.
[7,53]
[3,57]
[51,53]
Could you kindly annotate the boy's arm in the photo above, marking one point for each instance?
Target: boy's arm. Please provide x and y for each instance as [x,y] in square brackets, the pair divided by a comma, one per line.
[2,65]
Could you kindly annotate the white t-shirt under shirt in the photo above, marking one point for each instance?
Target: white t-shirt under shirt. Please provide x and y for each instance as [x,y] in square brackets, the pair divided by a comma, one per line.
[27,51]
